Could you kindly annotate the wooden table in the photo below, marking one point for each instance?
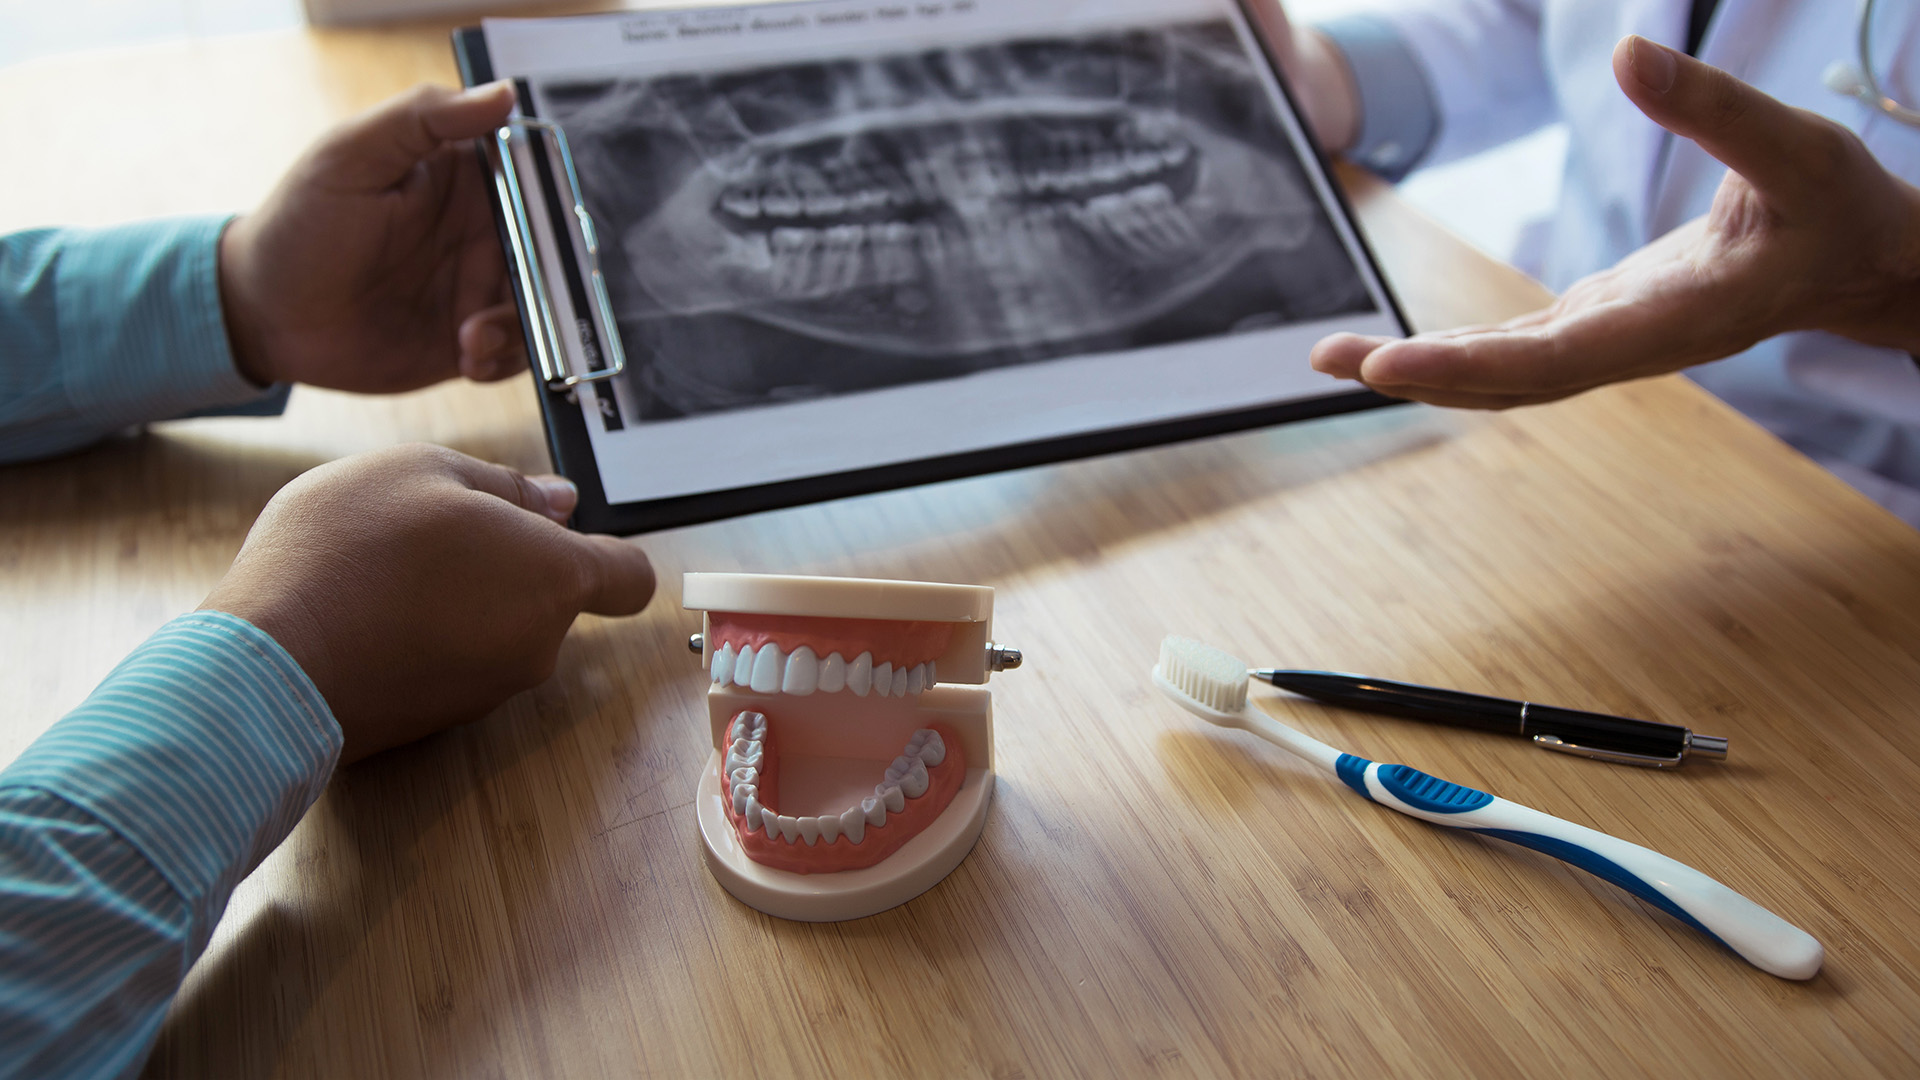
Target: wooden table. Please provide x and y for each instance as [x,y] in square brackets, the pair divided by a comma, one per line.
[525,896]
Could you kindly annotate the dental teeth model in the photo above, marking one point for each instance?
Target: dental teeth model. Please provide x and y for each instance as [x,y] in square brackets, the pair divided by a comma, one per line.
[849,774]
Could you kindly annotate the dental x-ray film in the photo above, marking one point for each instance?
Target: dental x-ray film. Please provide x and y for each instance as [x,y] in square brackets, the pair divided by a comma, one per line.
[850,245]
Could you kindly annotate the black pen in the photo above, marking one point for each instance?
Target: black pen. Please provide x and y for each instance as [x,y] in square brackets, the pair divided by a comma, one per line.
[1569,731]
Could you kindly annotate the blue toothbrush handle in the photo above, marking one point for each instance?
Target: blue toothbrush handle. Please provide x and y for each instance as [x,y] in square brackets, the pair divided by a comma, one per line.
[1762,938]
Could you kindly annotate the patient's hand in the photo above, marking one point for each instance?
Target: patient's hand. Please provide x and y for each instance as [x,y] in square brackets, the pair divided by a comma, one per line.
[374,265]
[419,587]
[1807,232]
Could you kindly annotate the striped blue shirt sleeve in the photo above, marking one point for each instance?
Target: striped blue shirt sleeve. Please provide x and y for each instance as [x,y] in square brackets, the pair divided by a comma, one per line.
[102,329]
[125,828]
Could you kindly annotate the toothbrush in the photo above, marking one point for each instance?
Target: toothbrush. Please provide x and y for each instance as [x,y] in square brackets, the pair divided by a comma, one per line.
[1213,685]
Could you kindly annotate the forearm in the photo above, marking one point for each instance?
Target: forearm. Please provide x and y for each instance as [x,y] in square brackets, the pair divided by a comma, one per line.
[124,830]
[1437,81]
[101,329]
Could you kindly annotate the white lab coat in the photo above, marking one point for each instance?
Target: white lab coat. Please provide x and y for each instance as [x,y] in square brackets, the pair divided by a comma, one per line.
[1500,68]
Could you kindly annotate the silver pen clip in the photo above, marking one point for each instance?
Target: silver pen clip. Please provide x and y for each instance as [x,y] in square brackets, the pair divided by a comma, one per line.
[1617,757]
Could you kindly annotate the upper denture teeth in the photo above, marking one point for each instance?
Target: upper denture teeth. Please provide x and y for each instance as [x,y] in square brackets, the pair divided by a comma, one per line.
[883,678]
[916,679]
[860,674]
[803,673]
[743,666]
[933,675]
[741,204]
[769,667]
[833,674]
[723,664]
[899,681]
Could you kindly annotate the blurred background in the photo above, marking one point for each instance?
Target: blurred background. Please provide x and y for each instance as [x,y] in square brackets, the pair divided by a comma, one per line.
[1486,199]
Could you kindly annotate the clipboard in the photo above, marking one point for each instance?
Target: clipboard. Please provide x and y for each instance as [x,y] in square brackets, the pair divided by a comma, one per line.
[561,258]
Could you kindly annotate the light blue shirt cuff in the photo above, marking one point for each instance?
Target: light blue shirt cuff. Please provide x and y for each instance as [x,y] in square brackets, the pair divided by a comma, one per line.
[1399,120]
[102,329]
[140,317]
[202,750]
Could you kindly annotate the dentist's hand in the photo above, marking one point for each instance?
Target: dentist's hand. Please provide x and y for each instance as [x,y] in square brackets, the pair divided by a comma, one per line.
[1807,232]
[374,265]
[419,588]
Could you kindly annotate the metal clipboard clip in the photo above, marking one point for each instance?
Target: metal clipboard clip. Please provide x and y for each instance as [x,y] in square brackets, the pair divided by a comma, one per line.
[550,351]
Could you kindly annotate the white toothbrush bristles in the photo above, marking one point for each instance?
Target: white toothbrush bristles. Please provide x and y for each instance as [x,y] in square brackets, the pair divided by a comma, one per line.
[1209,683]
[1213,686]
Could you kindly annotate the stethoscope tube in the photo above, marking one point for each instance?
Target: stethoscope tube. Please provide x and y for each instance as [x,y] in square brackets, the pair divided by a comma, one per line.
[1858,80]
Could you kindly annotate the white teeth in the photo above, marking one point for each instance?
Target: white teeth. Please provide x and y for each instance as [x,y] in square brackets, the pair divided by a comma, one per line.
[809,829]
[754,812]
[759,725]
[829,826]
[917,679]
[743,754]
[883,679]
[899,681]
[742,793]
[768,668]
[745,774]
[933,676]
[803,673]
[860,674]
[935,750]
[723,664]
[909,774]
[875,810]
[789,827]
[853,824]
[891,796]
[743,666]
[833,674]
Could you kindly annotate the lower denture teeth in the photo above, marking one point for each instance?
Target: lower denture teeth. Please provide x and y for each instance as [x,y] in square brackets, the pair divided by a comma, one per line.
[754,813]
[809,829]
[853,824]
[891,796]
[742,793]
[874,808]
[934,751]
[829,827]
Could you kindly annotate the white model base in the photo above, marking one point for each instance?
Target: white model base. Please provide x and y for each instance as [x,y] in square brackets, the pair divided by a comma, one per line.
[919,865]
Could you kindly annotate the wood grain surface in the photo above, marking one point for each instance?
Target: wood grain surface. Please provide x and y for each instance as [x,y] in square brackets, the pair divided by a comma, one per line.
[1152,897]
